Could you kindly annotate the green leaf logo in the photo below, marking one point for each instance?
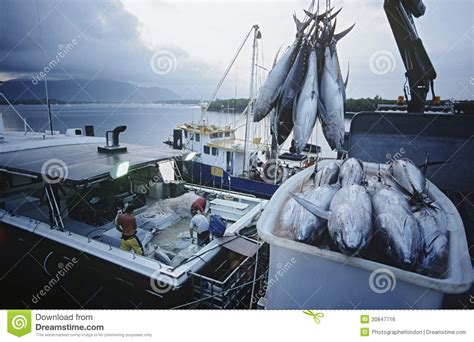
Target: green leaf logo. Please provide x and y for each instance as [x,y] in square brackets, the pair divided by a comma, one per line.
[19,322]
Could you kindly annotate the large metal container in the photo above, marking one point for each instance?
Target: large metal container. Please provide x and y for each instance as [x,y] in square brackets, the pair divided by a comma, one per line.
[305,276]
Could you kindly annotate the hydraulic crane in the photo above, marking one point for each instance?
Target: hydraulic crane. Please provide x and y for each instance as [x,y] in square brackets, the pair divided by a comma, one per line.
[420,73]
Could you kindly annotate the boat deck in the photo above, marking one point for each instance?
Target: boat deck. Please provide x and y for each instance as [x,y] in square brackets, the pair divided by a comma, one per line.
[163,225]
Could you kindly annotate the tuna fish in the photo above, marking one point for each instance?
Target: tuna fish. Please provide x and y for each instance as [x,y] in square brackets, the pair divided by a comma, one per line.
[309,227]
[289,93]
[433,222]
[408,177]
[351,172]
[304,117]
[397,231]
[327,175]
[268,94]
[288,217]
[349,218]
[332,95]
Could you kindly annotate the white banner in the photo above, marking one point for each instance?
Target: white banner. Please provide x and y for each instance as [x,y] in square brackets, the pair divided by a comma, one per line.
[207,325]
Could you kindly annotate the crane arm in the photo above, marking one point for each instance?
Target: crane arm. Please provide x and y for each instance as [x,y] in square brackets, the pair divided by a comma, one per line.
[420,72]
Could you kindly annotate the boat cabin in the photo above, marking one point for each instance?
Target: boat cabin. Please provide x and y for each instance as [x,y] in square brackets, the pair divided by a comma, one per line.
[219,146]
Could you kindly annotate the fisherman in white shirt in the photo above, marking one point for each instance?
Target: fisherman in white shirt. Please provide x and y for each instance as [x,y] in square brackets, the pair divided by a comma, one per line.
[200,224]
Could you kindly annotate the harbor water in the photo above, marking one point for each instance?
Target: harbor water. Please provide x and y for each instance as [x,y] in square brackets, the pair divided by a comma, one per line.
[147,124]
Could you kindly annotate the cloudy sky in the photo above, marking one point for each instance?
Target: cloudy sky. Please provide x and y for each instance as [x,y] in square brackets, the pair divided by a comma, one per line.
[186,45]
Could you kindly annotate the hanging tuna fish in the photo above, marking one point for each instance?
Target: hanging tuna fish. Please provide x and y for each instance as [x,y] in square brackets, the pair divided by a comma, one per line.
[267,96]
[333,94]
[289,93]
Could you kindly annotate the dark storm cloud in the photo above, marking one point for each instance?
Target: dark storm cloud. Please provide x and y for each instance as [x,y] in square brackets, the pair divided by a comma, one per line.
[108,43]
[83,39]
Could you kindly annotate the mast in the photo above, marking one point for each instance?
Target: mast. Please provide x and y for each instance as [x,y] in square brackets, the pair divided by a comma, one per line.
[48,105]
[246,167]
[50,119]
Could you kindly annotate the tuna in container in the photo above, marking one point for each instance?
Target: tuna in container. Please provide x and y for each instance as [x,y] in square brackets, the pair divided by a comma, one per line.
[303,275]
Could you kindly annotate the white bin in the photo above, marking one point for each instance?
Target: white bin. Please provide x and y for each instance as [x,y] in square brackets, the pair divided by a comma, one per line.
[304,276]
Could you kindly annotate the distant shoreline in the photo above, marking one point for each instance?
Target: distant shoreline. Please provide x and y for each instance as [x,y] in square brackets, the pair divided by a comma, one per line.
[56,101]
[235,106]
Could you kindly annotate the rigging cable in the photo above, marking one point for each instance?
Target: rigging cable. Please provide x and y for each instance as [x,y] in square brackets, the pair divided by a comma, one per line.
[226,72]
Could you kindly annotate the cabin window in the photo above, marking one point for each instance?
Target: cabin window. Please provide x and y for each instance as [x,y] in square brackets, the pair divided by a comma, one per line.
[197,137]
[227,134]
[213,135]
[215,151]
[207,150]
[186,134]
[221,135]
[191,136]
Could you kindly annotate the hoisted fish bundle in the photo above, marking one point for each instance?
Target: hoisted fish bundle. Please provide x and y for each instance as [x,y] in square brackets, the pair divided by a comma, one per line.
[389,219]
[306,83]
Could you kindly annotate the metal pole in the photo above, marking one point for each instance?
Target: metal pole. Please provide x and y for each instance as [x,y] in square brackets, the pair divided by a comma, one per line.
[50,119]
[254,278]
[256,36]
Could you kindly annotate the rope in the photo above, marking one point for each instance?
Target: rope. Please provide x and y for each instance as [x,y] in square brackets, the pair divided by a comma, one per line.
[226,72]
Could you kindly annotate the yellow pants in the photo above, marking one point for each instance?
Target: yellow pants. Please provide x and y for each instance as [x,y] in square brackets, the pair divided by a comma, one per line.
[132,243]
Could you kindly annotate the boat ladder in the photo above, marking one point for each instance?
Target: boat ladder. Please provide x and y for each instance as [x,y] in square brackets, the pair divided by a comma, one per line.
[53,206]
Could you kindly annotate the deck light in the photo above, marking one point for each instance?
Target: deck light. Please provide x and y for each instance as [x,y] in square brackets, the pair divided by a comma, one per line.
[120,169]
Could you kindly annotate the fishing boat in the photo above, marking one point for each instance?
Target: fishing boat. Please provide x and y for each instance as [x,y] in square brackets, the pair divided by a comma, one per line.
[238,156]
[59,244]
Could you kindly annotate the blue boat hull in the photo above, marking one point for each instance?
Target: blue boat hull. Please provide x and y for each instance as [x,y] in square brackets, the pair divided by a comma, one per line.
[199,173]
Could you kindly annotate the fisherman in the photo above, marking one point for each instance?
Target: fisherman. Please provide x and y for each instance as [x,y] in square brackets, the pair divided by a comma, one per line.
[199,204]
[200,224]
[126,224]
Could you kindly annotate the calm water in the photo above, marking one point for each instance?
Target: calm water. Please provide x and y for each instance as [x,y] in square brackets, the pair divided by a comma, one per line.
[146,124]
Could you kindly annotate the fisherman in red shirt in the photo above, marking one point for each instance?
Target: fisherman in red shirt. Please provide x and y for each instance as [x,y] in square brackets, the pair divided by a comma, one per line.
[199,204]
